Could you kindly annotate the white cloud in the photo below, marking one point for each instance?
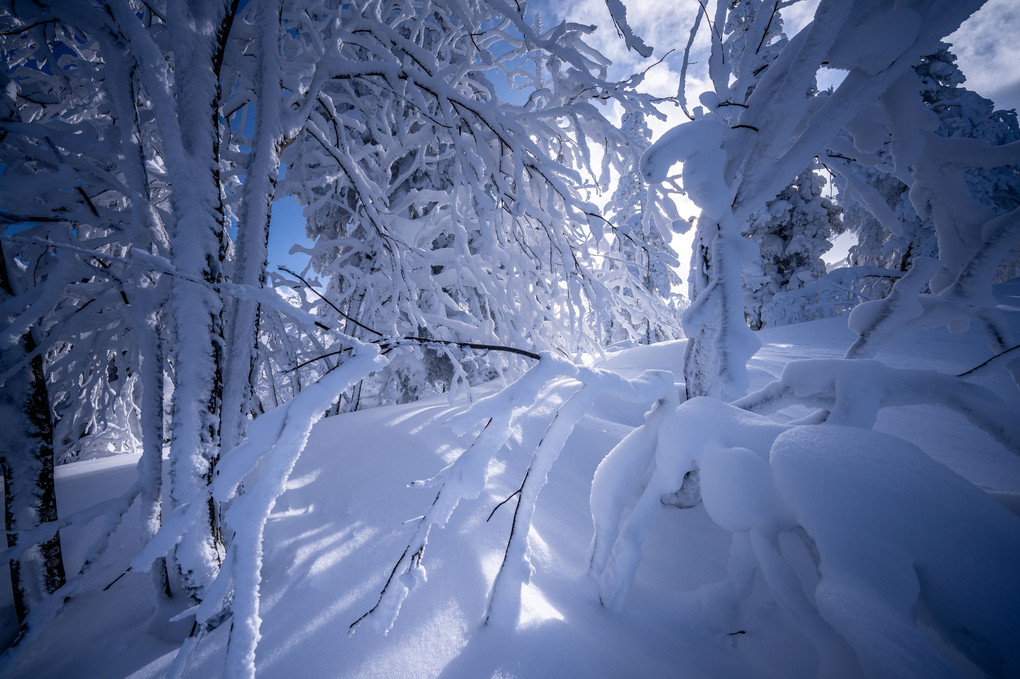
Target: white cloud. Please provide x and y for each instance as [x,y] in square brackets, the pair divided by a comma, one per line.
[988,52]
[987,44]
[662,29]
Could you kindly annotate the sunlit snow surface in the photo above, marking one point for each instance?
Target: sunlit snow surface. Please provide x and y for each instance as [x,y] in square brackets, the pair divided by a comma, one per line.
[335,534]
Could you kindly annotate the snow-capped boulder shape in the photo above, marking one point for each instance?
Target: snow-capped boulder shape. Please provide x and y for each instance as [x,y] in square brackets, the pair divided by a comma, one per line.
[737,489]
[894,529]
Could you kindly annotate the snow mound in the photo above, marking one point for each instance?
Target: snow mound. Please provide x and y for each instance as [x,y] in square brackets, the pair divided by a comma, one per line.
[894,531]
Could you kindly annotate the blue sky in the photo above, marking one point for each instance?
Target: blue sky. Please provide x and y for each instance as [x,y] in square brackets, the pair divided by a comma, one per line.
[286,228]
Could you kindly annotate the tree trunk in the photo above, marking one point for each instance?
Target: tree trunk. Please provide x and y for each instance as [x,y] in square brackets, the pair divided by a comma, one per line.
[150,467]
[26,458]
[253,227]
[198,247]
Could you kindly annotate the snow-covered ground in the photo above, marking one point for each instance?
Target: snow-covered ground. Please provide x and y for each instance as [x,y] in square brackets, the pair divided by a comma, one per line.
[344,521]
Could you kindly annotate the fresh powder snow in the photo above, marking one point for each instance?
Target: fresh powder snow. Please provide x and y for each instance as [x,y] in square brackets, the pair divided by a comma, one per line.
[910,561]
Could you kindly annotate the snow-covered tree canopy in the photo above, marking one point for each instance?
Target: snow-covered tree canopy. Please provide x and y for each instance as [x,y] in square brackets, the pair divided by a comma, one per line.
[735,163]
[442,177]
[890,233]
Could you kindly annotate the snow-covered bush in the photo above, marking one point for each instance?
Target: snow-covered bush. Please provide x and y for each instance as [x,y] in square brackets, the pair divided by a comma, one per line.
[842,529]
[884,526]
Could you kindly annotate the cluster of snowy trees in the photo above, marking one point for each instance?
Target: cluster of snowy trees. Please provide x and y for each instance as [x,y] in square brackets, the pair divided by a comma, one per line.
[445,151]
[143,146]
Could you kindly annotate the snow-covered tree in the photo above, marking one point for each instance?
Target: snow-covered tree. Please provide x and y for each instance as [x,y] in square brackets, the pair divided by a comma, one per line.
[442,211]
[734,164]
[877,202]
[795,494]
[444,214]
[720,342]
[119,147]
[792,233]
[793,230]
[640,267]
[878,246]
[780,487]
[964,113]
[57,306]
[26,460]
[732,170]
[141,134]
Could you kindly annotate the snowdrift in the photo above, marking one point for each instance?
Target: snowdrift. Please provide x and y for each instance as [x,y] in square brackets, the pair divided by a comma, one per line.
[816,550]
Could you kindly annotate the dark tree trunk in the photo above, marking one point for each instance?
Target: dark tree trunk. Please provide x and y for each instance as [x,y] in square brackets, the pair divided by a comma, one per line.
[26,458]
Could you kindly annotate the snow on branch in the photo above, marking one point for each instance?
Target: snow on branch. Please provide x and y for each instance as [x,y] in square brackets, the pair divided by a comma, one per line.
[515,570]
[619,12]
[387,344]
[464,478]
[853,392]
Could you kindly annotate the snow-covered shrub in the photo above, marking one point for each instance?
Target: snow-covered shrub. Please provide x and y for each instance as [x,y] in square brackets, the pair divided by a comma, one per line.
[849,530]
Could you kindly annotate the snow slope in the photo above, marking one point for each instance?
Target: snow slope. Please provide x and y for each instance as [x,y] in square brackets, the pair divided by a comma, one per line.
[336,533]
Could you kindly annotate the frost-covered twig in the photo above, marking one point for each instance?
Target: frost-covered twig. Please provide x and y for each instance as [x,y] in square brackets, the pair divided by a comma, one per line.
[139,259]
[334,307]
[634,42]
[464,478]
[994,359]
[44,531]
[516,568]
[386,344]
